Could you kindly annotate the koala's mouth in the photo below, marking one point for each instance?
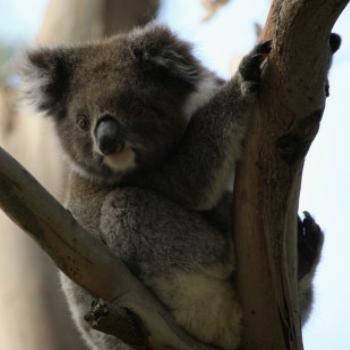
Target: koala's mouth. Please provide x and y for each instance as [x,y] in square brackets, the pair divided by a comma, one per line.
[122,160]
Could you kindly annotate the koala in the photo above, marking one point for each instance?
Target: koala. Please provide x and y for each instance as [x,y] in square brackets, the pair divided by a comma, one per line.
[151,138]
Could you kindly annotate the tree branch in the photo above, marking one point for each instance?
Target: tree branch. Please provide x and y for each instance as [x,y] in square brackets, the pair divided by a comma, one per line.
[268,182]
[86,260]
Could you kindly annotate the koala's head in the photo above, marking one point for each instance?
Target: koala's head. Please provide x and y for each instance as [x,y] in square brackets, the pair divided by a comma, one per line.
[118,105]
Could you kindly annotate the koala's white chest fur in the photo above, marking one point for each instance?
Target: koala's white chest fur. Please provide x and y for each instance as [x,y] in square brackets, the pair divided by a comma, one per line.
[207,307]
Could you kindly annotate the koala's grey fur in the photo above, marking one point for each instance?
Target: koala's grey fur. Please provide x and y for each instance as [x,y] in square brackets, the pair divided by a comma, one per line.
[159,202]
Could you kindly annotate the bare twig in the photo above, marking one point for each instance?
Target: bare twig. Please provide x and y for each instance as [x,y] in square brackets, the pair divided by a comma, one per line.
[268,183]
[84,259]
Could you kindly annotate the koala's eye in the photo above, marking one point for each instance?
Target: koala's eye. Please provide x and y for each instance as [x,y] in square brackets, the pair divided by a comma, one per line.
[83,122]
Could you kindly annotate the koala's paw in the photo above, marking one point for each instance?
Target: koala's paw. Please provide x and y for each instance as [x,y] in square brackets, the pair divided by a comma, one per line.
[310,242]
[334,42]
[250,68]
[334,45]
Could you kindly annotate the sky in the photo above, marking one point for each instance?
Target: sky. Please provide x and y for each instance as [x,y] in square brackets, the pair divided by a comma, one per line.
[325,187]
[20,19]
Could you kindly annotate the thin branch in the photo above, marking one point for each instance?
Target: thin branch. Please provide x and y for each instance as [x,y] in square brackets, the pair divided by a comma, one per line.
[268,182]
[83,258]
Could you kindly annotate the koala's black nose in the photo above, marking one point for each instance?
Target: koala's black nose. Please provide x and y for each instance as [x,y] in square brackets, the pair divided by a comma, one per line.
[108,135]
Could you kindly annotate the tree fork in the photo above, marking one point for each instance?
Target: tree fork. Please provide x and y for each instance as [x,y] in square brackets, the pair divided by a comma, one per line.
[267,184]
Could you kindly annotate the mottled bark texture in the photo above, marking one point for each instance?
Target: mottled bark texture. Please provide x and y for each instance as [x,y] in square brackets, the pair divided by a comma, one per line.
[267,188]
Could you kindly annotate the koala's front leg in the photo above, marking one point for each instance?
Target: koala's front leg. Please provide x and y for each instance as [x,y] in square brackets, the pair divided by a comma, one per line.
[310,242]
[196,175]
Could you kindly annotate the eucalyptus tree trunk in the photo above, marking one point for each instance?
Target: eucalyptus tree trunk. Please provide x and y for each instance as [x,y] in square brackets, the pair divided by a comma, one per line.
[33,313]
[267,187]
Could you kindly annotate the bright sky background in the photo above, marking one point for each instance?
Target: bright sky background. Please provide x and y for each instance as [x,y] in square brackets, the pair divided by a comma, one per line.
[326,188]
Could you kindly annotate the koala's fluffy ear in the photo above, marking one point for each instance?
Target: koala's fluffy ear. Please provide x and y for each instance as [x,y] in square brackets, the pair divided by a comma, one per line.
[159,51]
[46,76]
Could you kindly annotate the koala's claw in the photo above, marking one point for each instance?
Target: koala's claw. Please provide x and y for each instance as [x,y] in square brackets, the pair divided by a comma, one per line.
[250,67]
[334,42]
[310,242]
[263,48]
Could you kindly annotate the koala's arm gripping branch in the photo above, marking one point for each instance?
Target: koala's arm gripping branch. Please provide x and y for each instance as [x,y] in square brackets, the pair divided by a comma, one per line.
[84,259]
[197,173]
[268,181]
